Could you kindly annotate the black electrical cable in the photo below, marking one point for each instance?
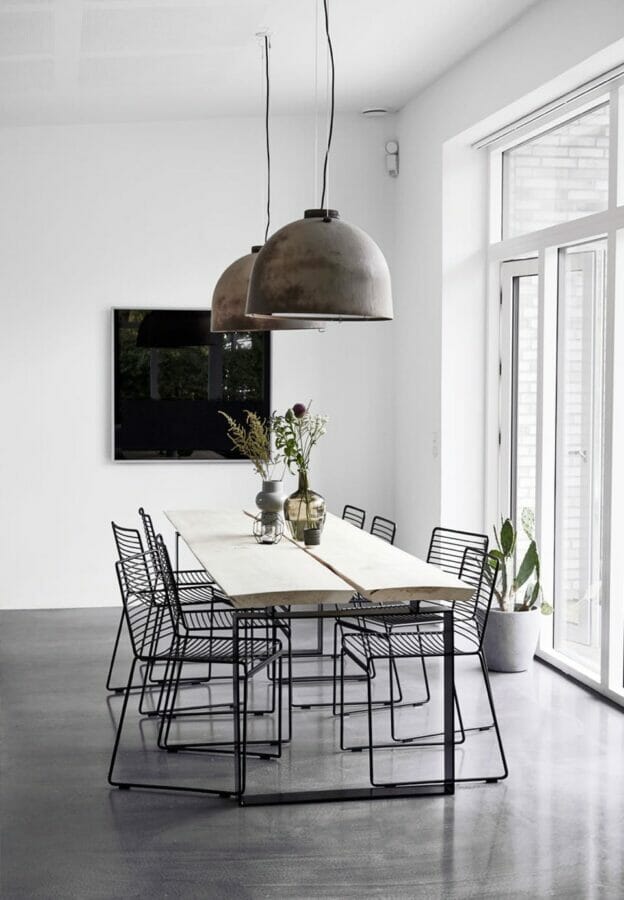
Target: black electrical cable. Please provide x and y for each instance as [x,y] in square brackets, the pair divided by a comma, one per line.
[331,116]
[266,128]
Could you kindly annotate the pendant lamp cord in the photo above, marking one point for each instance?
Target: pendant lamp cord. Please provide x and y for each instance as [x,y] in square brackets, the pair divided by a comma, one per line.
[266,129]
[332,103]
[315,176]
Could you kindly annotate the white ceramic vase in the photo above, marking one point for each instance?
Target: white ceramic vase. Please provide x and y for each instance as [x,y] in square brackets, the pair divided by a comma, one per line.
[270,500]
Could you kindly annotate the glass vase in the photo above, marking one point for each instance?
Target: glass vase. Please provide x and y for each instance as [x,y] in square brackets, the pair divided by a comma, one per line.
[304,509]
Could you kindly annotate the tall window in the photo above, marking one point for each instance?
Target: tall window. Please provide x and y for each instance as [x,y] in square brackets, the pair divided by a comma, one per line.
[558,176]
[558,244]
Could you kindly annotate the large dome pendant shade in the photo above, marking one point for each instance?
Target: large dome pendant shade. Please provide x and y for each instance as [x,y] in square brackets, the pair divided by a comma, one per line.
[230,299]
[322,268]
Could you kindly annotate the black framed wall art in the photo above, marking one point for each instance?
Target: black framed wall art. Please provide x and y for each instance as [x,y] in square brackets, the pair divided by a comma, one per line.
[172,376]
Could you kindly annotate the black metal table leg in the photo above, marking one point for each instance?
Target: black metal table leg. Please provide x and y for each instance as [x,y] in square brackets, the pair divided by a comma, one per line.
[449,703]
[439,787]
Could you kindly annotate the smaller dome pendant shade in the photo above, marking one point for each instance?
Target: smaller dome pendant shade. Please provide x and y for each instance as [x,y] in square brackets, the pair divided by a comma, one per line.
[322,268]
[230,299]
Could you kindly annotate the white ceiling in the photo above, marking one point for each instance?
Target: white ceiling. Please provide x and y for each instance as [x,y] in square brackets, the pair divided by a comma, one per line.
[120,60]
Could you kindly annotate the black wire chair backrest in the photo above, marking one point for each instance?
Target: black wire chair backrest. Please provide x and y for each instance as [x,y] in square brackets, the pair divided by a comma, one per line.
[169,582]
[128,541]
[355,515]
[384,529]
[147,612]
[129,544]
[148,528]
[475,565]
[448,545]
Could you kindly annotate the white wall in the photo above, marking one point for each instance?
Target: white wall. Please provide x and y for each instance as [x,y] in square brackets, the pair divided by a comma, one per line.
[439,278]
[93,217]
[149,215]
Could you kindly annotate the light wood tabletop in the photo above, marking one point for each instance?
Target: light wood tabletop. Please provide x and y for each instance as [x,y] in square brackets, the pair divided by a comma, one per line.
[347,560]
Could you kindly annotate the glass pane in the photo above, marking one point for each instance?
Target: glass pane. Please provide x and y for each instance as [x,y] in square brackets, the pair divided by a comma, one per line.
[580,384]
[524,418]
[560,175]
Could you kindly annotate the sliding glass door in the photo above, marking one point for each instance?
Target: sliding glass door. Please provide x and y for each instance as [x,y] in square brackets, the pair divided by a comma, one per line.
[552,432]
[579,452]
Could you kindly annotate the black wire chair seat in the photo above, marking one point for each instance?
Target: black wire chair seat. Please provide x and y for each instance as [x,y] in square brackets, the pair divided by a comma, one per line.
[209,649]
[189,580]
[204,596]
[400,644]
[198,594]
[205,620]
[462,610]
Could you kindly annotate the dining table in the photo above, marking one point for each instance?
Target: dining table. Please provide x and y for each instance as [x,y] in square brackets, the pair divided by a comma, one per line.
[291,581]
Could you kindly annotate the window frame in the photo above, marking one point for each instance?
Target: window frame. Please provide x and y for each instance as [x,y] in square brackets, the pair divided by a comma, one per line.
[544,246]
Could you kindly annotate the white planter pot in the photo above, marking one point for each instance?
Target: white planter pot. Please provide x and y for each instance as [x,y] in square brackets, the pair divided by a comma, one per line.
[510,640]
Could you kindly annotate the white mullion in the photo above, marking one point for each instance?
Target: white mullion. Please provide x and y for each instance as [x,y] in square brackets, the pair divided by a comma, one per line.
[574,232]
[616,148]
[493,401]
[612,625]
[496,197]
[610,642]
[614,142]
[505,393]
[546,428]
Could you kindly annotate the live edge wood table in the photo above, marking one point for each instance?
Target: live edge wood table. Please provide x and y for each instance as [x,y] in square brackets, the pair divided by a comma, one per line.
[259,576]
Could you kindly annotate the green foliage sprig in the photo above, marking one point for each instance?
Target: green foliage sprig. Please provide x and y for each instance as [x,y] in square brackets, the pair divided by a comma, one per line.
[296,432]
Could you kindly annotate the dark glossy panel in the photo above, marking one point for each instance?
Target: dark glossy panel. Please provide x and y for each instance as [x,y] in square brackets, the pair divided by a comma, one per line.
[173,375]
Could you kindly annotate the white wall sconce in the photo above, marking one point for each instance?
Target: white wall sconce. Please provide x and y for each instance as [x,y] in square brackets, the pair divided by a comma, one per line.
[392,158]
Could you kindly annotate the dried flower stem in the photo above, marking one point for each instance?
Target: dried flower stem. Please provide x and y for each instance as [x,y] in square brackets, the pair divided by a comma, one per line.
[254,441]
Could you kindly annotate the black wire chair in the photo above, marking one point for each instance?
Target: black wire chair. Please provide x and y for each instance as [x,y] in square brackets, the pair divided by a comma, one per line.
[219,624]
[355,515]
[160,633]
[447,550]
[384,529]
[425,641]
[192,590]
[198,588]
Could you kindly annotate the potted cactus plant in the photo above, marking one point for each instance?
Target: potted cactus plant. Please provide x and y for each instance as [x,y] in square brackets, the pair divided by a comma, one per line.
[513,625]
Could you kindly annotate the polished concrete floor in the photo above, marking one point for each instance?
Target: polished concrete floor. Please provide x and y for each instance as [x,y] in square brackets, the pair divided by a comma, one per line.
[555,828]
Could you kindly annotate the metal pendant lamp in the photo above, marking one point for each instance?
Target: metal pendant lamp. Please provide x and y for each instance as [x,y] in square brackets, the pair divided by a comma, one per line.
[229,298]
[319,266]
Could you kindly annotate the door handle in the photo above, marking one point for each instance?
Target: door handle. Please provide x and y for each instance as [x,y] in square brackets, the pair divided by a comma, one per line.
[581,453]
